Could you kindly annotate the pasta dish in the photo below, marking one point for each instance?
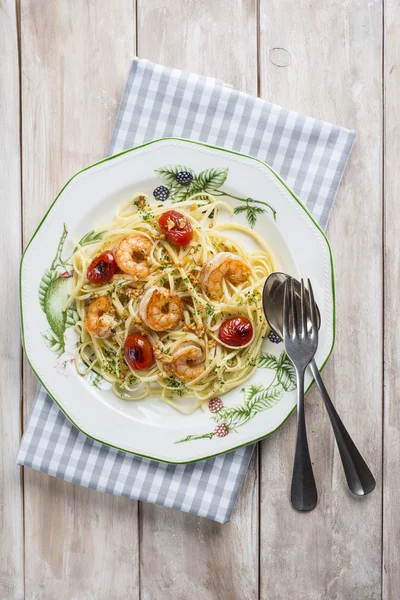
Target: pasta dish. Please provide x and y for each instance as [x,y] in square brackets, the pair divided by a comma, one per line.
[169,304]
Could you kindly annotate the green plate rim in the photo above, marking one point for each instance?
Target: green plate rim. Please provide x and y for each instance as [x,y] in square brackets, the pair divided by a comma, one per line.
[104,160]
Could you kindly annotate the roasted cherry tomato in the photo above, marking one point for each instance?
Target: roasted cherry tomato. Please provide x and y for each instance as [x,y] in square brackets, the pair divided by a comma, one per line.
[237,331]
[176,228]
[102,268]
[138,352]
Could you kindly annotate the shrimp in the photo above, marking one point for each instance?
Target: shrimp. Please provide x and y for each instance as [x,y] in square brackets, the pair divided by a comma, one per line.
[99,319]
[223,264]
[130,255]
[188,362]
[160,310]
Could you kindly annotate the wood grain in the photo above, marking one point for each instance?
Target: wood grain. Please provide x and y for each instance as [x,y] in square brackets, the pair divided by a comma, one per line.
[323,59]
[11,524]
[333,57]
[218,39]
[391,435]
[183,556]
[75,57]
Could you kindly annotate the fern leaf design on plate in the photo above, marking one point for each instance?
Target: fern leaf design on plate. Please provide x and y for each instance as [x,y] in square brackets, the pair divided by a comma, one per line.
[181,194]
[268,361]
[251,212]
[72,316]
[168,174]
[234,416]
[53,342]
[92,237]
[178,192]
[211,180]
[259,398]
[239,209]
[286,374]
[181,182]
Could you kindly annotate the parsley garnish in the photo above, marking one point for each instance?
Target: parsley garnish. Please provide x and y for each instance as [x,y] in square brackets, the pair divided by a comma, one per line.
[178,386]
[209,310]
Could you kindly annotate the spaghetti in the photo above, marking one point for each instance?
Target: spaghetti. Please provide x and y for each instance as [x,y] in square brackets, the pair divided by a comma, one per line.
[183,306]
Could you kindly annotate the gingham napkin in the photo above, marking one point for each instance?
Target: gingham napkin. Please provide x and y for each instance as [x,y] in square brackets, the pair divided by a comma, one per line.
[310,155]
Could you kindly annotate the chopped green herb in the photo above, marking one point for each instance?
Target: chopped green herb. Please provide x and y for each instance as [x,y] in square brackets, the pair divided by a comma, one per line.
[210,312]
[146,215]
[177,385]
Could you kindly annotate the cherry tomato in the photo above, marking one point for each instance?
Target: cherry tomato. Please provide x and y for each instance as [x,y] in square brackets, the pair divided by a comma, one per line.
[102,268]
[176,228]
[138,352]
[237,331]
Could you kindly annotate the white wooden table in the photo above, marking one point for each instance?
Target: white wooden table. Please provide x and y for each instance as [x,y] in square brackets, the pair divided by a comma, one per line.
[63,65]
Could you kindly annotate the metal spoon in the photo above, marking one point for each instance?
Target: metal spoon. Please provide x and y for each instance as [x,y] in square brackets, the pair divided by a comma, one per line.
[359,478]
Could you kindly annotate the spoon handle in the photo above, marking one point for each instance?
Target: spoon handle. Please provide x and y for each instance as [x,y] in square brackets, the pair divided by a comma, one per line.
[359,478]
[303,495]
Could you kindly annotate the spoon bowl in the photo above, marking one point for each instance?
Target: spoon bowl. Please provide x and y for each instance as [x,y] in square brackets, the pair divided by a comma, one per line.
[272,299]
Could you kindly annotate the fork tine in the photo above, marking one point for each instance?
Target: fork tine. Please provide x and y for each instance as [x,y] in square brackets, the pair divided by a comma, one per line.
[293,309]
[303,311]
[313,310]
[285,319]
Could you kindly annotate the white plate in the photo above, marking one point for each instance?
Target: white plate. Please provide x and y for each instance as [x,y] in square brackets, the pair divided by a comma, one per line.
[152,428]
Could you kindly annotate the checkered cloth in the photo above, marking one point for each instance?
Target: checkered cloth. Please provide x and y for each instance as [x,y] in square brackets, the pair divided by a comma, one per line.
[310,155]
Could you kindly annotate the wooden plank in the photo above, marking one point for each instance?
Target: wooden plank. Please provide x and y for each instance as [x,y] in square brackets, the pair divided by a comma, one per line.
[333,57]
[391,433]
[218,39]
[75,58]
[11,513]
[183,556]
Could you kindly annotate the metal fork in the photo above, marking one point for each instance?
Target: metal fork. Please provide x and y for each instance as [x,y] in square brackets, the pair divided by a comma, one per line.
[301,344]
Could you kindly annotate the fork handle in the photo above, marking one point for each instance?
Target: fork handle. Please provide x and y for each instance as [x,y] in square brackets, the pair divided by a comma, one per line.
[359,478]
[303,495]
